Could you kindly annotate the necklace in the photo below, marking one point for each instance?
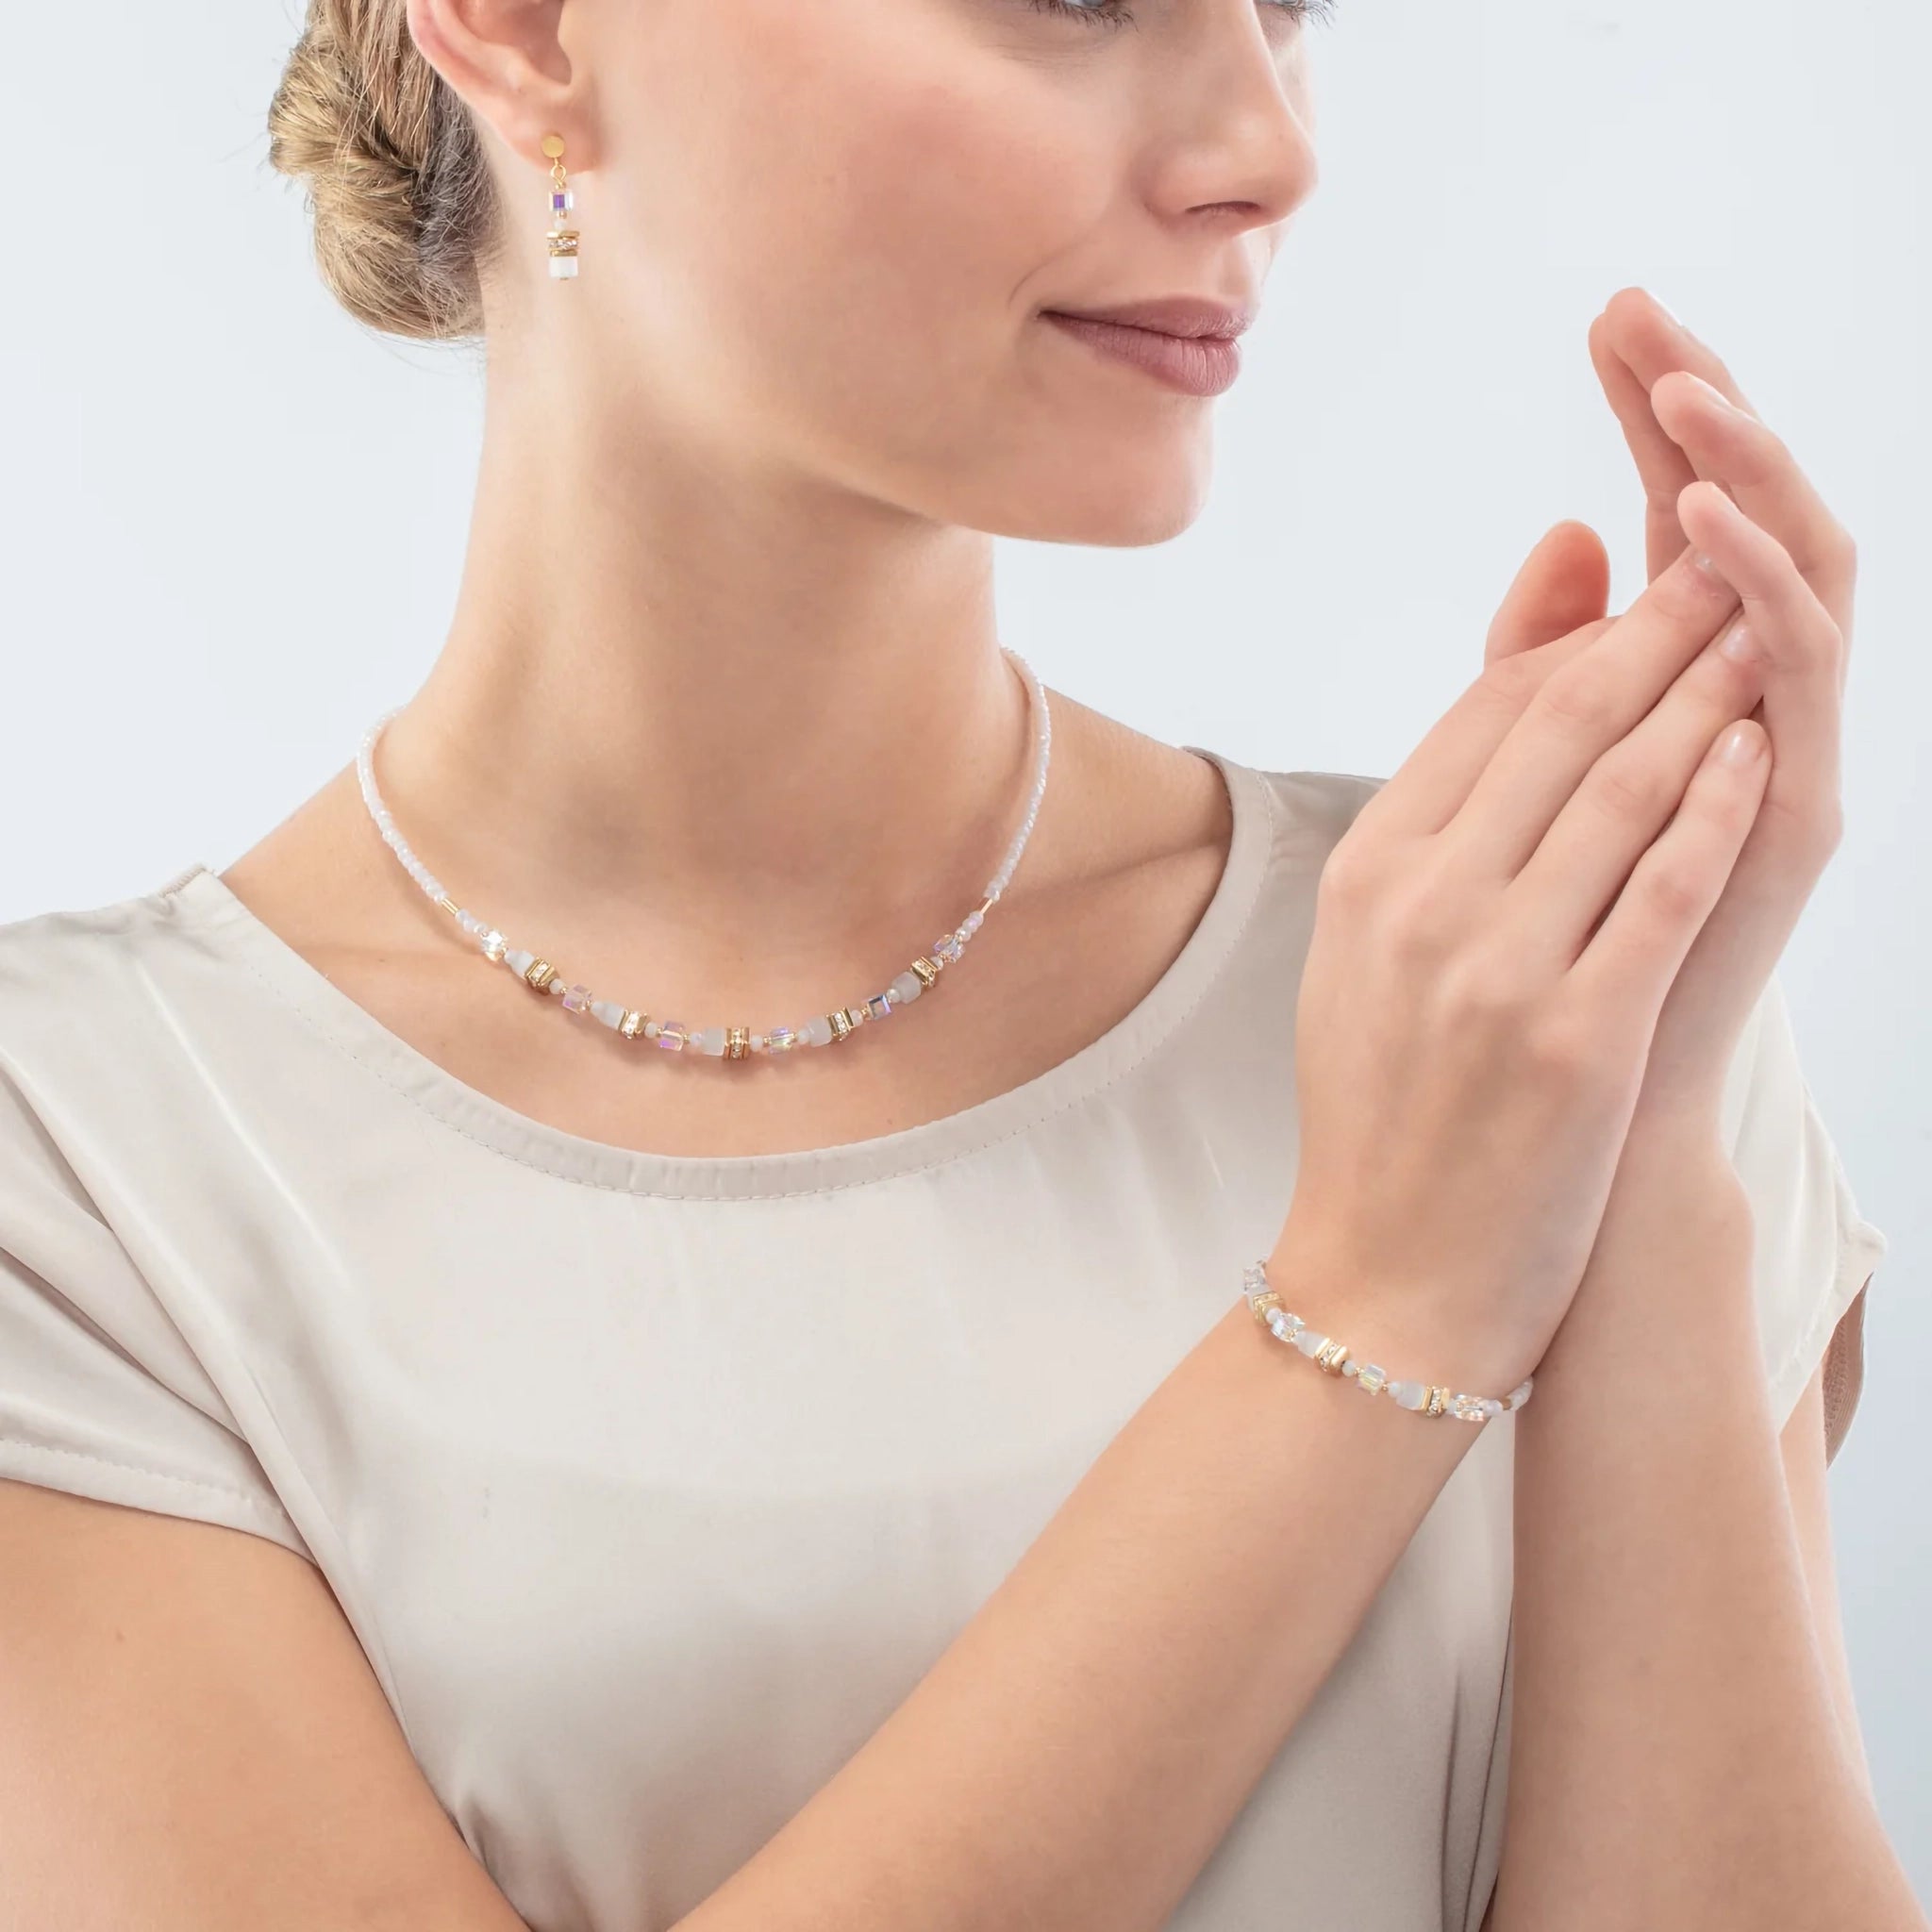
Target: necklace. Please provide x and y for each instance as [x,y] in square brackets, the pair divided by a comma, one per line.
[727,1042]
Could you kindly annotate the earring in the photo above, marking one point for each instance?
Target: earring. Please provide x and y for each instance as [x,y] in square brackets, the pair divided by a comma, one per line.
[563,237]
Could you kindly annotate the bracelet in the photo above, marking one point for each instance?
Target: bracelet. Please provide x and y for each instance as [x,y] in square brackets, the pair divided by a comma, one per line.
[1427,1398]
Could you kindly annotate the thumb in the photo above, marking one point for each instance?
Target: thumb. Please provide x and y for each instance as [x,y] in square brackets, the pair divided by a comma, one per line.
[1564,583]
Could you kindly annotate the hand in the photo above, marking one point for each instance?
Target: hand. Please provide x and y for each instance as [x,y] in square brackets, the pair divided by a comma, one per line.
[1796,568]
[1494,937]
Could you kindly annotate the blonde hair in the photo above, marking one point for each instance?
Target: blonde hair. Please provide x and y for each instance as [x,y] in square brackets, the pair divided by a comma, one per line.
[404,208]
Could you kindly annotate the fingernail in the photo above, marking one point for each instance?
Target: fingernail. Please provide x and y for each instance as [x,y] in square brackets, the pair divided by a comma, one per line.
[1739,746]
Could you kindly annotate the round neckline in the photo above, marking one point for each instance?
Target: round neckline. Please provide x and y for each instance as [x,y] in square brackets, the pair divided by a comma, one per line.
[228,923]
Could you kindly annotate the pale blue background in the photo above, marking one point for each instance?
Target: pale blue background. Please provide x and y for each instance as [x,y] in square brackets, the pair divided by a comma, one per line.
[231,522]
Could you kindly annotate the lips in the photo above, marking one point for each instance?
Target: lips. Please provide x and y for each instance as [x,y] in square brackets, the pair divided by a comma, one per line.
[1193,316]
[1200,365]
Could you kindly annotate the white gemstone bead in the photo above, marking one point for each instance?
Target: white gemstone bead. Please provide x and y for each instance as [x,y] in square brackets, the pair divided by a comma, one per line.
[1307,1340]
[562,267]
[609,1011]
[518,960]
[908,987]
[817,1030]
[1409,1395]
[709,1040]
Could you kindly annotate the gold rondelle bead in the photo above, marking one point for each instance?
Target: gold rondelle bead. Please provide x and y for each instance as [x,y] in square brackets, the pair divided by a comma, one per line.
[1439,1400]
[1263,1302]
[632,1025]
[540,973]
[1331,1354]
[840,1025]
[449,905]
[738,1043]
[928,970]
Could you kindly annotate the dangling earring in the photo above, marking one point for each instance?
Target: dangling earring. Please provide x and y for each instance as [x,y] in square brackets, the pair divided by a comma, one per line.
[563,237]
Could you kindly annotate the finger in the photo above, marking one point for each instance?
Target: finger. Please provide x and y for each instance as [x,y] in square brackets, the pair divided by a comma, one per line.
[1685,418]
[1803,683]
[1435,778]
[1578,713]
[1637,950]
[1623,804]
[1735,449]
[1564,583]
[1662,468]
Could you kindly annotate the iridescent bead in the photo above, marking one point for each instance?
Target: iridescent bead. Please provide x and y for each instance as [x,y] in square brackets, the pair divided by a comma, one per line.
[1370,1377]
[671,1034]
[878,1005]
[494,945]
[781,1040]
[577,999]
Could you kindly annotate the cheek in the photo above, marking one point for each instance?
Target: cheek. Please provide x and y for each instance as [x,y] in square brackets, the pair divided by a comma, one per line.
[864,197]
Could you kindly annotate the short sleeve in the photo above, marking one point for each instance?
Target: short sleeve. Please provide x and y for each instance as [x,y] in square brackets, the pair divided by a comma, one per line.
[100,1393]
[1812,1249]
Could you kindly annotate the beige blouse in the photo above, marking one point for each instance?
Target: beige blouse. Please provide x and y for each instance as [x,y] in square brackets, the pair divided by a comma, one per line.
[651,1485]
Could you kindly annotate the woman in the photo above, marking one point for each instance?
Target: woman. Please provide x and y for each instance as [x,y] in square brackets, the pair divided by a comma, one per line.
[844,1482]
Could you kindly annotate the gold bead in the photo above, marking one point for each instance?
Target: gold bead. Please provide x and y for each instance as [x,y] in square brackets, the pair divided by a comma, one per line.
[632,1025]
[449,905]
[553,147]
[539,974]
[1263,1302]
[738,1043]
[840,1025]
[928,970]
[1331,1354]
[1438,1401]
[563,241]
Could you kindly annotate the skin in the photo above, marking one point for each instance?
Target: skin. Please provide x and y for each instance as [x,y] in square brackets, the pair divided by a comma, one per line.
[729,579]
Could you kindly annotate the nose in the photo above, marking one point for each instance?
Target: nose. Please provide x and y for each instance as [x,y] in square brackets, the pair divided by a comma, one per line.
[1242,150]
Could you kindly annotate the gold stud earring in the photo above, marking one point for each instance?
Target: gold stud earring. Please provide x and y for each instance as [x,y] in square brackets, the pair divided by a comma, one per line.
[562,238]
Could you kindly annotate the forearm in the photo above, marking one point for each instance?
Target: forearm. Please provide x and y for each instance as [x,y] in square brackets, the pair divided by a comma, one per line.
[1675,1753]
[1076,1756]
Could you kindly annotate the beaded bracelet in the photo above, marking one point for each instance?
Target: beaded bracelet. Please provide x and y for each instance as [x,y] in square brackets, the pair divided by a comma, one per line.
[1427,1398]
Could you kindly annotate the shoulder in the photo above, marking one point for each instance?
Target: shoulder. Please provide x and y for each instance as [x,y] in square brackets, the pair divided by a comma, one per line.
[89,1001]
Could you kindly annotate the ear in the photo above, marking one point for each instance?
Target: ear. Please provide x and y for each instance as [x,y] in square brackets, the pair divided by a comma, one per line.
[506,60]
[1563,585]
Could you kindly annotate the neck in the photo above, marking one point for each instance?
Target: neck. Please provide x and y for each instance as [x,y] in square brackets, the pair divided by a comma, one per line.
[777,707]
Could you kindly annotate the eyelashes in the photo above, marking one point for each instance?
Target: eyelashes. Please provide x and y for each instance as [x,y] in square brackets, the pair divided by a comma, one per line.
[1118,13]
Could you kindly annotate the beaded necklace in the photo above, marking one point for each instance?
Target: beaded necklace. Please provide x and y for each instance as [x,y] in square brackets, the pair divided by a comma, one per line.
[726,1043]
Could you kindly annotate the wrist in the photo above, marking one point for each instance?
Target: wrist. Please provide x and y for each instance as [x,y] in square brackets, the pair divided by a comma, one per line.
[1410,1331]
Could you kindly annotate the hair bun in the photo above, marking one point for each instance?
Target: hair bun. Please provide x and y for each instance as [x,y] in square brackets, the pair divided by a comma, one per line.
[400,195]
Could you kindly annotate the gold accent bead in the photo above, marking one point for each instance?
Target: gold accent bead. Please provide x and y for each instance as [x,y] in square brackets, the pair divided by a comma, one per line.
[928,970]
[553,147]
[539,974]
[563,241]
[840,1025]
[632,1025]
[1263,1302]
[1437,1400]
[449,905]
[1331,1354]
[738,1043]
